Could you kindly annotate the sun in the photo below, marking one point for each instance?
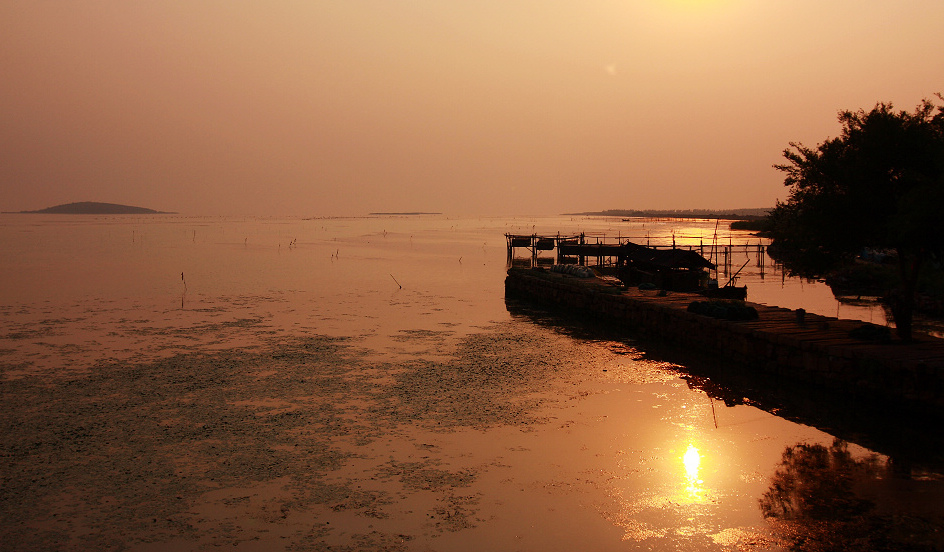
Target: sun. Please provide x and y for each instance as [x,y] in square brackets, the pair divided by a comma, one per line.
[693,5]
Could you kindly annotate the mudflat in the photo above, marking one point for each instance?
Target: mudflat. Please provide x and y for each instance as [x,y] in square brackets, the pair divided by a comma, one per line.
[296,442]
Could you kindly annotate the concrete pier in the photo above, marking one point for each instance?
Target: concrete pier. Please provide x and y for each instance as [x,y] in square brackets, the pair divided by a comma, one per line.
[818,350]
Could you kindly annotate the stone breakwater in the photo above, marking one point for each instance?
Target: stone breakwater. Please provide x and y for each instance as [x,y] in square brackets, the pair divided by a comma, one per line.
[846,355]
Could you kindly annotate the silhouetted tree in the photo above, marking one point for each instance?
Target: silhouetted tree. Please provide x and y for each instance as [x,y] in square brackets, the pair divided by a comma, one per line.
[879,185]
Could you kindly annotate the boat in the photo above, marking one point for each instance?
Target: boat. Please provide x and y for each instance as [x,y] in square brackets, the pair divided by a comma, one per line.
[729,290]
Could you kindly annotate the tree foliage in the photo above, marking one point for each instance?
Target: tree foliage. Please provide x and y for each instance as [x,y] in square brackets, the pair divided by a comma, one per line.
[878,185]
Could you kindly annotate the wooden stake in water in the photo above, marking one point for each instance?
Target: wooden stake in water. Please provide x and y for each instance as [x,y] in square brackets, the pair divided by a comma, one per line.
[715,417]
[395,280]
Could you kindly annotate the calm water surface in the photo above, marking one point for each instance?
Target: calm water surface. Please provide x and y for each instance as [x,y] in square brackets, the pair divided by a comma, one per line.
[447,418]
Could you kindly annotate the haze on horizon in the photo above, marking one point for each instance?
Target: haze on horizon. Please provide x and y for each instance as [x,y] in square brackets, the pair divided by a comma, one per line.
[479,108]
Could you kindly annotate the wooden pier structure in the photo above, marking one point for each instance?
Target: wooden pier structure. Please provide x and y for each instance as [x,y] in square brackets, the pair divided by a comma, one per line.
[604,251]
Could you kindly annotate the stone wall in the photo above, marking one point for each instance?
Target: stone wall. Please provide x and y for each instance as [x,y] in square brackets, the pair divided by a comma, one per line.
[818,351]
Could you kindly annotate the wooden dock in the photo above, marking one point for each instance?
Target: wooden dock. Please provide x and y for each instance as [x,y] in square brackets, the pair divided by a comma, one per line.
[818,350]
[603,250]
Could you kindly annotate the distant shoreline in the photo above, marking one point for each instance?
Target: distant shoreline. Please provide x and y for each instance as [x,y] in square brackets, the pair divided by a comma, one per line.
[95,208]
[99,208]
[405,213]
[726,214]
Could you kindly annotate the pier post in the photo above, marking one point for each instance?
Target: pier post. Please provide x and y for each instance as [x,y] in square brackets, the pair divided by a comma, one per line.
[557,244]
[761,258]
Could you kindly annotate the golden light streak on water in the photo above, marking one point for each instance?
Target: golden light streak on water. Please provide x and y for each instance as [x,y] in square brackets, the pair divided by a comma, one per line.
[692,461]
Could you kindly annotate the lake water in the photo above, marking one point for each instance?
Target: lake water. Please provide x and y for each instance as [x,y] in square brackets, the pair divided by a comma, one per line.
[176,383]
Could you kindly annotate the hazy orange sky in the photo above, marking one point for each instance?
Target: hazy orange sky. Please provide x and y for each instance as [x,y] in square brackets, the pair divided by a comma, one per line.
[479,107]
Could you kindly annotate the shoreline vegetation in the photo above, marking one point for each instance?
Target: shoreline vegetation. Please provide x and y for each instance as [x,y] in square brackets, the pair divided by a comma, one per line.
[96,208]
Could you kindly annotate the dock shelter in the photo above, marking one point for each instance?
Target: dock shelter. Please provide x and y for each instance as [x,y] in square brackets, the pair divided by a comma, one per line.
[605,251]
[569,249]
[672,269]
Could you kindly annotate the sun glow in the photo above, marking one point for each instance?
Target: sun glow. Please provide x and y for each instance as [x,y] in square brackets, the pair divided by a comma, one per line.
[693,8]
[697,4]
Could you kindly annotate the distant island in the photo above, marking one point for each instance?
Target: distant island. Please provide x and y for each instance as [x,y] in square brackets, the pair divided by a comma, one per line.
[729,214]
[96,208]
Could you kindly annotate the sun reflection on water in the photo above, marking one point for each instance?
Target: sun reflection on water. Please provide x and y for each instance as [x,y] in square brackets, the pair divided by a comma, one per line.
[692,460]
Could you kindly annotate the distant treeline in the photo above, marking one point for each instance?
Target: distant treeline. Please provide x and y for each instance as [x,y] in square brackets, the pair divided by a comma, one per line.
[759,225]
[729,214]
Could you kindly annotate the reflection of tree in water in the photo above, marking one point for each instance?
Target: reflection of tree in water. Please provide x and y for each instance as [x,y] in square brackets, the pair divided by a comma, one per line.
[815,482]
[812,503]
